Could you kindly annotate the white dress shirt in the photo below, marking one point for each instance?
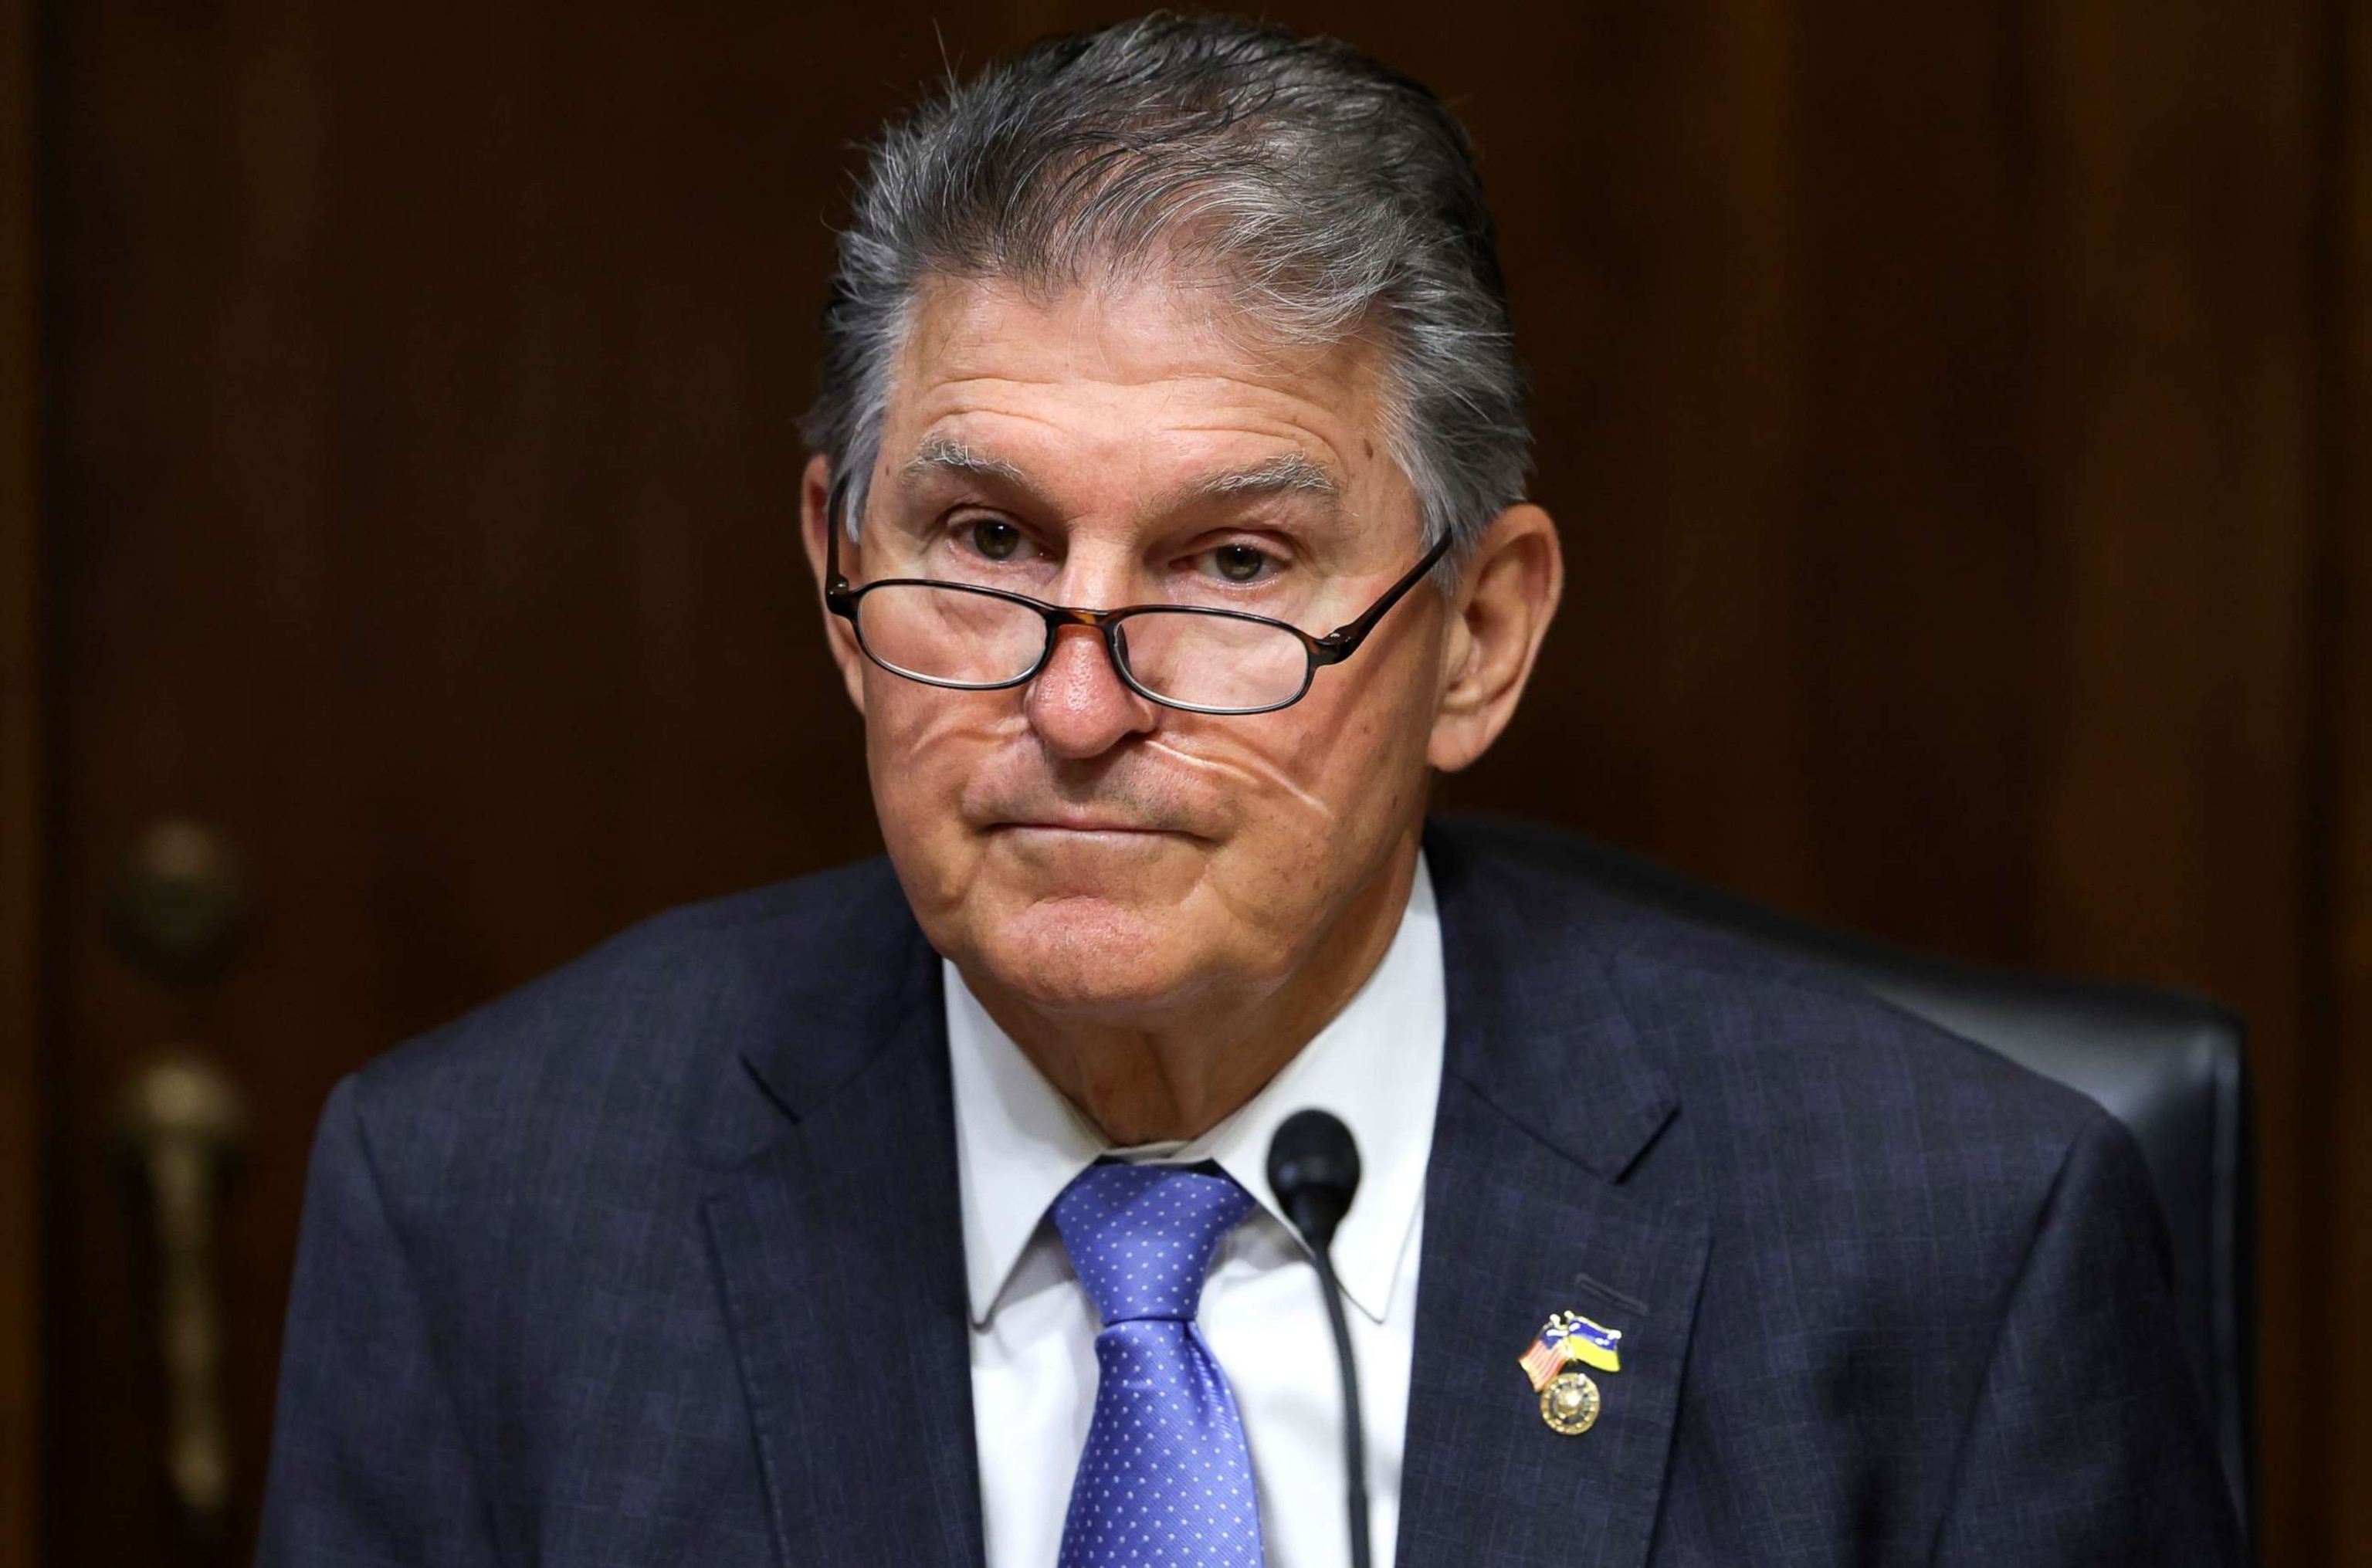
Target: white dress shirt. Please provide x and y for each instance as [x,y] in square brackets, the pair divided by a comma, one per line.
[1018,1143]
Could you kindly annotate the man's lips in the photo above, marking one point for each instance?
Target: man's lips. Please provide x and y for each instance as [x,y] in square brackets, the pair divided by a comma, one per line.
[1087,820]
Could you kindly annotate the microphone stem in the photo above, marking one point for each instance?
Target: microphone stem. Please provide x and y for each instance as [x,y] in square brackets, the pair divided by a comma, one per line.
[1354,1440]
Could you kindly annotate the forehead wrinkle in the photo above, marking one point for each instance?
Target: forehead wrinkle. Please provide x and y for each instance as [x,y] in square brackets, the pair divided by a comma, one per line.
[1288,472]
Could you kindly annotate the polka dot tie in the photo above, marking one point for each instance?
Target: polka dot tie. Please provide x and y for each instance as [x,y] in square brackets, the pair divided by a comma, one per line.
[1166,1478]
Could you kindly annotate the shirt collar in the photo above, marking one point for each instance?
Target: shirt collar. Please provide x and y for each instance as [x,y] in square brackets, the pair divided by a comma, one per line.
[1376,1065]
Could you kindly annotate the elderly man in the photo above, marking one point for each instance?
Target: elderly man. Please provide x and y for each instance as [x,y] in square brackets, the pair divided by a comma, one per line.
[1166,513]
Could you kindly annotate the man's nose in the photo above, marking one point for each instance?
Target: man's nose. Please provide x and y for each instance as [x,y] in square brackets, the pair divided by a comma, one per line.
[1078,705]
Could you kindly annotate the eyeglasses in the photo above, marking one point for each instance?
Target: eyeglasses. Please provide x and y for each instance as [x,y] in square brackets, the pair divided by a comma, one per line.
[1201,659]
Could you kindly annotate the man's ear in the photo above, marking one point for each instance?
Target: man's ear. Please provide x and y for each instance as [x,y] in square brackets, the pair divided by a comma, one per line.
[1505,599]
[815,517]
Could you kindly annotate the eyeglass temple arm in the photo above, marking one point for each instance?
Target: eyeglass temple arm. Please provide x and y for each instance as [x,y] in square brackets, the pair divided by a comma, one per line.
[836,594]
[1344,640]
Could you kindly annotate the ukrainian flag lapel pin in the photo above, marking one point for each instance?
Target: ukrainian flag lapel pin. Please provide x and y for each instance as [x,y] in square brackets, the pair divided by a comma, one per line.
[1569,1400]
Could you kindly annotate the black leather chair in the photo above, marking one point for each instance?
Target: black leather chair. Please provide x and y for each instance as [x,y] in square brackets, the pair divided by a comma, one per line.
[2167,1066]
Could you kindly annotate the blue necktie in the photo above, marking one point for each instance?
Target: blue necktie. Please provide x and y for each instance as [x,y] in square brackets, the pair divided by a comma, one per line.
[1166,1477]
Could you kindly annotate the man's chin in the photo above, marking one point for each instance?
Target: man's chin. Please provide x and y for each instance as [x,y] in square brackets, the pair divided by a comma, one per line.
[1094,957]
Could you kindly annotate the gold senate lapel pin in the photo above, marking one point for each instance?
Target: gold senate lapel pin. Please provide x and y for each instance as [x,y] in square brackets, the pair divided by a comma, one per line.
[1569,1400]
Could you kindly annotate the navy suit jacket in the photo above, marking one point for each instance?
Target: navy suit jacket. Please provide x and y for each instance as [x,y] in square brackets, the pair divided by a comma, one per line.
[658,1261]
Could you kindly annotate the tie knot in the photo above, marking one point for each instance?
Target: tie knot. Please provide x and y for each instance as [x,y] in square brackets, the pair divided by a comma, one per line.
[1141,1235]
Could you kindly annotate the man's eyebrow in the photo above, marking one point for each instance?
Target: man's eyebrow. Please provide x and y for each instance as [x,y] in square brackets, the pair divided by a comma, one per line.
[1285,471]
[940,454]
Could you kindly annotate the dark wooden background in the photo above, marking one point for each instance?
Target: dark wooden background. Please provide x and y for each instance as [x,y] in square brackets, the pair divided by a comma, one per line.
[1957,414]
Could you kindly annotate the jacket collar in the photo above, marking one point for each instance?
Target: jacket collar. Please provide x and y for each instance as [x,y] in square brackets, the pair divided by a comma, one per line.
[837,1257]
[1545,1195]
[1539,1030]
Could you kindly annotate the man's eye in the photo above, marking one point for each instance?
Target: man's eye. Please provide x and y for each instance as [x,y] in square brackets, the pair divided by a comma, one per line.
[1241,563]
[997,540]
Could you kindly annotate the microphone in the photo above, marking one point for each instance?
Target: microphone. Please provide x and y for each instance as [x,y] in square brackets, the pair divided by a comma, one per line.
[1313,1168]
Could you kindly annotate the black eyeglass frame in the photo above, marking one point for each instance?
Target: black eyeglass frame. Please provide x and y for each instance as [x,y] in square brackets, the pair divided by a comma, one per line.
[842,599]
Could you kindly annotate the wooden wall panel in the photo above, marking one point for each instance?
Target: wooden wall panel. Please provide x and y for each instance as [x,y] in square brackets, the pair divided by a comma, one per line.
[2339,1137]
[2176,438]
[19,825]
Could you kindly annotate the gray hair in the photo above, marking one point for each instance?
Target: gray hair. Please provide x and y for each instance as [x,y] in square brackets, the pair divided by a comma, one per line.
[1325,195]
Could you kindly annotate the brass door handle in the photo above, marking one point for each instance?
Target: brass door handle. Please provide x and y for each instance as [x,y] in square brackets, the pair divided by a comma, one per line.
[184,1120]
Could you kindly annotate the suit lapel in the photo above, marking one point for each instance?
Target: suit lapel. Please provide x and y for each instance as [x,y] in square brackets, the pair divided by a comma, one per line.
[839,1255]
[1538,1200]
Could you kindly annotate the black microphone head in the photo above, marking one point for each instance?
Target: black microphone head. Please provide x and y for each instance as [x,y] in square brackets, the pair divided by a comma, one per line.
[1313,1166]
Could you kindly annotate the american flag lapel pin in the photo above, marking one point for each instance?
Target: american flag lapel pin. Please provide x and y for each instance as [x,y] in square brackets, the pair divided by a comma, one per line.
[1569,1400]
